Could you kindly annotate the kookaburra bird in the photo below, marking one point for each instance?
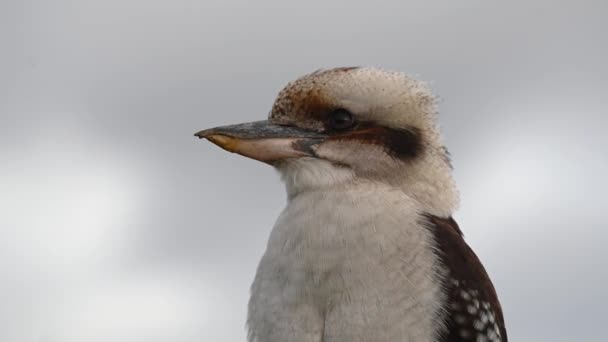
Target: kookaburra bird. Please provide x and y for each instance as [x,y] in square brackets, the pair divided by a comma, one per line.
[366,248]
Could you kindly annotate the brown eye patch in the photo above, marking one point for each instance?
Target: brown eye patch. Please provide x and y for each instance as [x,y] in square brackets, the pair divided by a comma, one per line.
[399,143]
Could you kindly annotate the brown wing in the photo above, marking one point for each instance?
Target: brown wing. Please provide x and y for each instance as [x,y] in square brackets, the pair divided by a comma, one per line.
[473,311]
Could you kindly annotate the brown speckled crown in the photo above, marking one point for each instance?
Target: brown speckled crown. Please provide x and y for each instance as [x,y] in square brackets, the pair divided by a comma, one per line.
[303,100]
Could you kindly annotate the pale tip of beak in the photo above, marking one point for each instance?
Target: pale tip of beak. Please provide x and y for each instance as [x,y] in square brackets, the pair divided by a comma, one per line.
[203,134]
[223,141]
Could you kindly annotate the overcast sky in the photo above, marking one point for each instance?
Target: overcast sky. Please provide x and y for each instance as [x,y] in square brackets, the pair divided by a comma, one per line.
[117,225]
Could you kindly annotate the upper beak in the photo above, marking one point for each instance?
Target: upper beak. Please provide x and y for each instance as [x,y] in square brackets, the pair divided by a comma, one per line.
[264,141]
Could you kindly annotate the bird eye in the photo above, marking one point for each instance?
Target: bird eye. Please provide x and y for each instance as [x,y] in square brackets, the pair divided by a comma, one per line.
[341,119]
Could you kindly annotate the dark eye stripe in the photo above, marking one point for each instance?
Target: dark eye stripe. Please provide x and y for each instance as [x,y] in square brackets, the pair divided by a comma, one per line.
[400,143]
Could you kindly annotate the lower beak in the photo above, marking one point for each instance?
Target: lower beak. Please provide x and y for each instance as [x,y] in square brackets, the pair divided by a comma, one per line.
[264,141]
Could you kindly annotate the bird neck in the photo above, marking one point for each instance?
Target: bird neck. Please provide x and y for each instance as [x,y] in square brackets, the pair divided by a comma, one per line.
[312,174]
[428,184]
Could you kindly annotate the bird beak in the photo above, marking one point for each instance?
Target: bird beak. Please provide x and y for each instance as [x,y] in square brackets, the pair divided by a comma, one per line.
[264,141]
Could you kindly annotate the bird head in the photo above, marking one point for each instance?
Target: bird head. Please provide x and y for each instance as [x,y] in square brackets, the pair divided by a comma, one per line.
[341,126]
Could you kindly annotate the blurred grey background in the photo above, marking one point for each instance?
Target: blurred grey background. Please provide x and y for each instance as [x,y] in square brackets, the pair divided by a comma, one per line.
[118,225]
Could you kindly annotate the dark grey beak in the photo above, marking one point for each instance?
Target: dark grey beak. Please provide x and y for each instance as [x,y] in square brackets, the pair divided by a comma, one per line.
[264,141]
